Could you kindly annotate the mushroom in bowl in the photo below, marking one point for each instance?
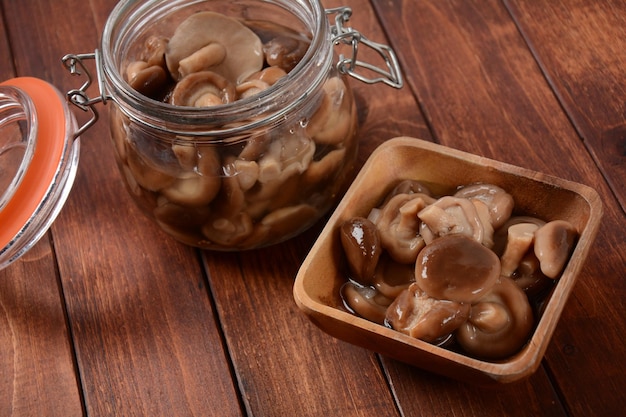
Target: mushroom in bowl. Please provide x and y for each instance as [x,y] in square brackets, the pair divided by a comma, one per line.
[444,171]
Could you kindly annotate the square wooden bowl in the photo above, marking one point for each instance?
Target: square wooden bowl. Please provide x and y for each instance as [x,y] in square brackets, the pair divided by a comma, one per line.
[318,282]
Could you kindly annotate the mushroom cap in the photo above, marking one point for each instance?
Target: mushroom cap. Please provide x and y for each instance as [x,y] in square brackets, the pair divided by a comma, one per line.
[500,202]
[407,187]
[520,239]
[398,225]
[365,301]
[499,323]
[203,89]
[362,247]
[457,268]
[149,80]
[414,313]
[392,277]
[244,51]
[501,235]
[456,215]
[553,244]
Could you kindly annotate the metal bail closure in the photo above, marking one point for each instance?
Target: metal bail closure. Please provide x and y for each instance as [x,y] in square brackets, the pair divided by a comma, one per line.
[391,75]
[79,97]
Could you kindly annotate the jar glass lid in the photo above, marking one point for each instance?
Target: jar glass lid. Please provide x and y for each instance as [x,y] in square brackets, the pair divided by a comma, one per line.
[36,154]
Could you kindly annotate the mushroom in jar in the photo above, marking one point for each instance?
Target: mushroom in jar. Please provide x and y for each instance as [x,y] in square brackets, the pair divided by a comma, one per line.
[418,315]
[200,181]
[148,74]
[215,42]
[259,81]
[499,323]
[203,89]
[283,47]
[335,120]
[456,268]
[269,75]
[285,221]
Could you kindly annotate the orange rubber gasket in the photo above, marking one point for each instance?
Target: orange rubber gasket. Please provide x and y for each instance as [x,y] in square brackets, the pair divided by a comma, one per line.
[51,120]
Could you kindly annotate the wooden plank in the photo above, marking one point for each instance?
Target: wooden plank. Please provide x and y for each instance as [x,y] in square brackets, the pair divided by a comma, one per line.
[482,91]
[6,65]
[145,336]
[580,47]
[36,359]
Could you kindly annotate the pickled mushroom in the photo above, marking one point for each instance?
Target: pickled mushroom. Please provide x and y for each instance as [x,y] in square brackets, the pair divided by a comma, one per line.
[269,75]
[182,222]
[203,89]
[203,59]
[250,88]
[418,315]
[283,47]
[399,225]
[520,239]
[148,80]
[528,276]
[146,173]
[553,244]
[391,277]
[407,187]
[245,172]
[365,301]
[455,215]
[286,220]
[322,171]
[200,182]
[361,245]
[259,81]
[501,235]
[284,157]
[285,51]
[148,75]
[499,202]
[242,48]
[456,268]
[229,231]
[335,119]
[499,323]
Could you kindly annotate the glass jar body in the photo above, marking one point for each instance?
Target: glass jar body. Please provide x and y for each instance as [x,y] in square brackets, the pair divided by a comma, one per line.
[242,175]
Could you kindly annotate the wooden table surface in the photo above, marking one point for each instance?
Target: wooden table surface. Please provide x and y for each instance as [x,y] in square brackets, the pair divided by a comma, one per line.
[107,316]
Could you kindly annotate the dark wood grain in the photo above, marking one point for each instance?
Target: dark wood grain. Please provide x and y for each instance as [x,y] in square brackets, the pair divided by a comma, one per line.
[580,48]
[36,355]
[107,316]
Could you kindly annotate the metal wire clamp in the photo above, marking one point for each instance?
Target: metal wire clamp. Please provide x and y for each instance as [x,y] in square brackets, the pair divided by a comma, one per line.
[392,76]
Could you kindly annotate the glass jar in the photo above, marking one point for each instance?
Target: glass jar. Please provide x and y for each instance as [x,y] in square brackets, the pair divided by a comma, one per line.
[38,159]
[265,161]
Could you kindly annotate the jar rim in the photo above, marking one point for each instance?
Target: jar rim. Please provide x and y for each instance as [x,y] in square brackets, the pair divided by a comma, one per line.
[265,108]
